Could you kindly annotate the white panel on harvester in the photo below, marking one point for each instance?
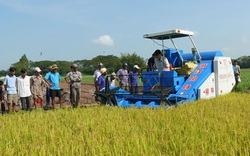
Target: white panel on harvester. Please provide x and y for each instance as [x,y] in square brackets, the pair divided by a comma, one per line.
[224,75]
[207,89]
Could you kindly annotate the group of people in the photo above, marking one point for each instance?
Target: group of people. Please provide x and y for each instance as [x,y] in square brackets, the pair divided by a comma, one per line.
[128,80]
[25,87]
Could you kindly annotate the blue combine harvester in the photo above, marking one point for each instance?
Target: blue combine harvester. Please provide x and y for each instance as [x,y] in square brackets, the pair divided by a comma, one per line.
[212,76]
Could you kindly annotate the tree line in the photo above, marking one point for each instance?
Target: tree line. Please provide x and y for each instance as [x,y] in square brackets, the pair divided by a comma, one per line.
[87,67]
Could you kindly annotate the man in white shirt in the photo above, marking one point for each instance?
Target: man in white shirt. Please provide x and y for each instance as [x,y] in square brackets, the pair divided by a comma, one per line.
[97,73]
[23,85]
[161,62]
[112,79]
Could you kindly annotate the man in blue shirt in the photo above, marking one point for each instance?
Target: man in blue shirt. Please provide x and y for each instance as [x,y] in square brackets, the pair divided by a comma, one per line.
[10,82]
[101,79]
[53,79]
[133,80]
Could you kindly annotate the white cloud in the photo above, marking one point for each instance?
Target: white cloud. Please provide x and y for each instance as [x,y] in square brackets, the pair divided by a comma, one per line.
[104,40]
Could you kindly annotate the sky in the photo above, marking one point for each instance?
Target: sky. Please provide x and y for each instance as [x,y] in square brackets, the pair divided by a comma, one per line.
[82,29]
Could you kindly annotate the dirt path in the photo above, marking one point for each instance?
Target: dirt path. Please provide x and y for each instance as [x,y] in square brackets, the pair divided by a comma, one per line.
[87,93]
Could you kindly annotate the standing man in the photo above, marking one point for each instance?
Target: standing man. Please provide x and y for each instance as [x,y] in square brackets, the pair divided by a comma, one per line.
[112,79]
[10,86]
[53,78]
[97,73]
[123,76]
[74,78]
[36,83]
[236,69]
[161,62]
[133,80]
[23,85]
[47,89]
[101,79]
[2,97]
[151,62]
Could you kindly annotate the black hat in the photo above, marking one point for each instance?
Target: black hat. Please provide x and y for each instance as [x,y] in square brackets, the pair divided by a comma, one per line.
[23,70]
[157,52]
[12,69]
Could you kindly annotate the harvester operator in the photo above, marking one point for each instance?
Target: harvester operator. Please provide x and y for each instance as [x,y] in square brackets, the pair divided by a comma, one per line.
[161,62]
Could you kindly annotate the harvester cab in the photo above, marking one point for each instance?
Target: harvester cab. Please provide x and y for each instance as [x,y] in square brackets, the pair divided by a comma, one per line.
[195,75]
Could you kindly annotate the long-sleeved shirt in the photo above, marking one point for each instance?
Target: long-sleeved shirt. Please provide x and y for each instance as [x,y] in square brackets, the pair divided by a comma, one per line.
[101,82]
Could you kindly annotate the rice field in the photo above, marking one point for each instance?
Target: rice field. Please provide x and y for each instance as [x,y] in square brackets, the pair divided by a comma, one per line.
[219,126]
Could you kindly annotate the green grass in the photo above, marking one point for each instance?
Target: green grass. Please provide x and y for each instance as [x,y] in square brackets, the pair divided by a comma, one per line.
[245,81]
[85,79]
[219,126]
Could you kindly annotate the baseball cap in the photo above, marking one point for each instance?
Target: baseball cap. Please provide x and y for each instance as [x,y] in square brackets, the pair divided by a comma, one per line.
[74,66]
[37,69]
[136,66]
[100,64]
[113,74]
[124,64]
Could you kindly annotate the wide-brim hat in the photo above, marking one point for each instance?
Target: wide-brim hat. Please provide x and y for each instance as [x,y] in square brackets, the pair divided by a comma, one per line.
[103,70]
[54,66]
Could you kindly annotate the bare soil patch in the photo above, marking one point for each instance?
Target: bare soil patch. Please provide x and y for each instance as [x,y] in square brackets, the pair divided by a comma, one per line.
[87,93]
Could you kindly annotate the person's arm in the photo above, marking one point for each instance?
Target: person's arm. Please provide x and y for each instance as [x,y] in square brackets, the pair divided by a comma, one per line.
[67,78]
[129,78]
[80,76]
[46,79]
[59,79]
[2,95]
[98,84]
[166,63]
[31,82]
[5,83]
[239,70]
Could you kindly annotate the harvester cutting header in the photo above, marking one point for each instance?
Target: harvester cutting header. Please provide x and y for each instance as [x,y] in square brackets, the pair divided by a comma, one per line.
[194,75]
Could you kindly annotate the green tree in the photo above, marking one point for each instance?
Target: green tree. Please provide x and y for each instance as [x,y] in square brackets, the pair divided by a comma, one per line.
[23,63]
[132,59]
[3,72]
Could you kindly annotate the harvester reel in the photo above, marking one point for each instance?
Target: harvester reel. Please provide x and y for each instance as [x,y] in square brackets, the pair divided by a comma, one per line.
[163,95]
[108,95]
